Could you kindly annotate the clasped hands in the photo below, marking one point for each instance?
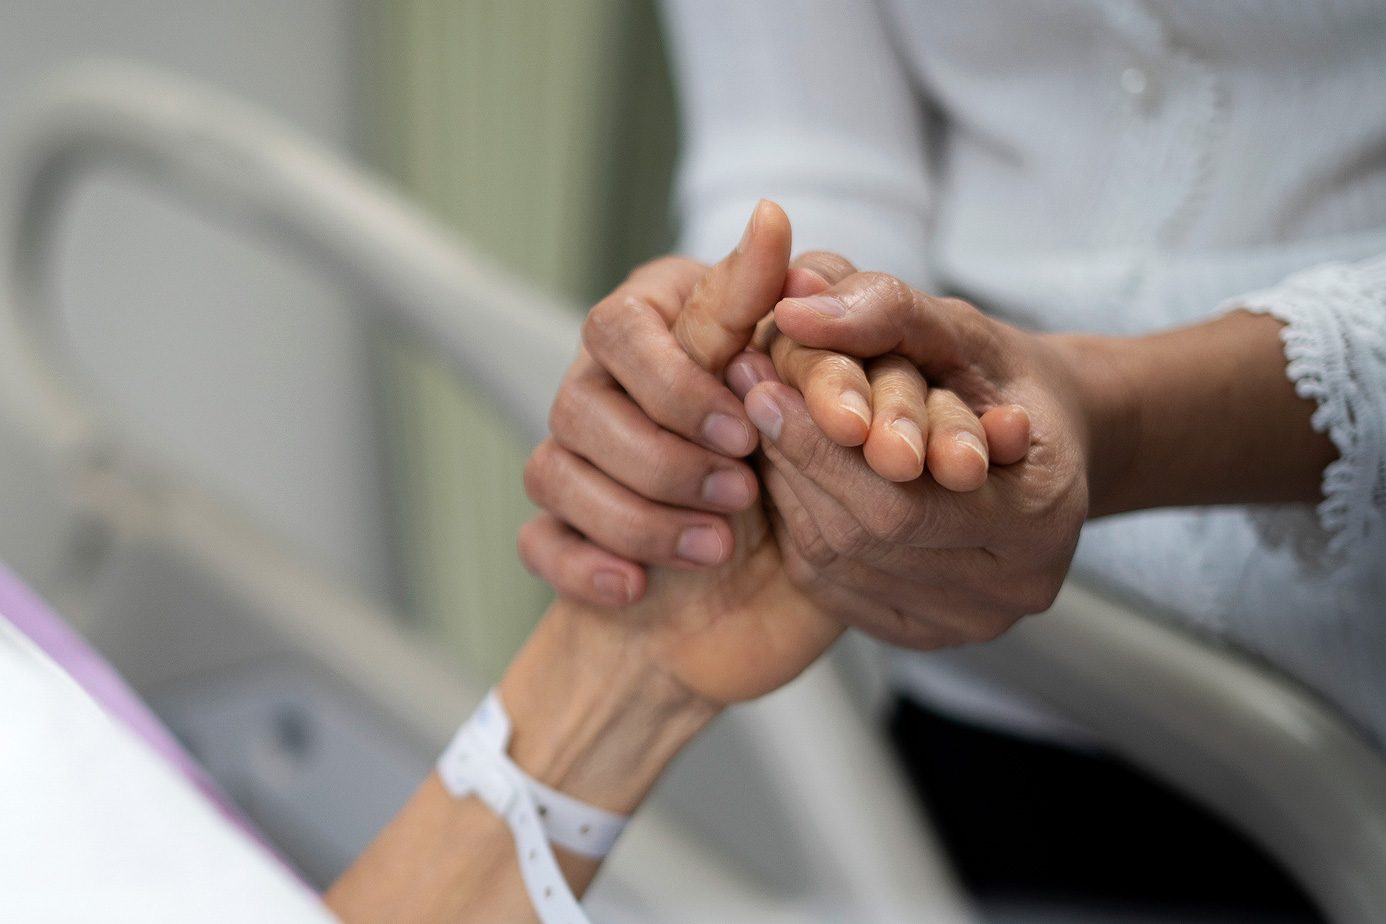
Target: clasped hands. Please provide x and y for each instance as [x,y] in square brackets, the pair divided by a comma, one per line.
[919,471]
[922,471]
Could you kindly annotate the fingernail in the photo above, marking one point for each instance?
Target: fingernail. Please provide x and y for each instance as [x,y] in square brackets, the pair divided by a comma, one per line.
[856,405]
[764,413]
[971,442]
[750,227]
[908,431]
[742,376]
[726,489]
[700,545]
[727,434]
[823,304]
[612,586]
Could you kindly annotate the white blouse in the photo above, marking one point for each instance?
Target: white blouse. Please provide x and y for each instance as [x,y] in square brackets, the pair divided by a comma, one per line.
[1113,167]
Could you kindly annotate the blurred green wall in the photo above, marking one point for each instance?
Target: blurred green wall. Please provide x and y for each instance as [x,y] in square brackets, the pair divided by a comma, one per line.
[544,131]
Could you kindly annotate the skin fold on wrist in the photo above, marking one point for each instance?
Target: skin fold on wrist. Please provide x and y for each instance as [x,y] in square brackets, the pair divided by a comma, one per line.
[594,715]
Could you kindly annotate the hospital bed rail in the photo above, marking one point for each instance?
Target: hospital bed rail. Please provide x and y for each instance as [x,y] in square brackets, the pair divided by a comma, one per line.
[144,552]
[1250,744]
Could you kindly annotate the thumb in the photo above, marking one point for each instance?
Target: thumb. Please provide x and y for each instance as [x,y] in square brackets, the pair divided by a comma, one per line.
[873,314]
[719,318]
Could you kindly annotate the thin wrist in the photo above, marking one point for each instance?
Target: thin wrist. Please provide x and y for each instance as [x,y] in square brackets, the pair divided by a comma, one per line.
[1110,414]
[593,716]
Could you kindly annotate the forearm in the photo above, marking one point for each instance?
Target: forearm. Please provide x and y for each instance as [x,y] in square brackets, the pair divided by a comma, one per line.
[592,717]
[1199,415]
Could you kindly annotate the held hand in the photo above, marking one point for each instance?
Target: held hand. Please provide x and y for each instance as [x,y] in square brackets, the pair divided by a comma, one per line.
[644,454]
[883,403]
[740,629]
[914,563]
[643,463]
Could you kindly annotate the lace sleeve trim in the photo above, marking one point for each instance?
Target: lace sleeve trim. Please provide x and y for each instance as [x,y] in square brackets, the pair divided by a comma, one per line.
[1335,348]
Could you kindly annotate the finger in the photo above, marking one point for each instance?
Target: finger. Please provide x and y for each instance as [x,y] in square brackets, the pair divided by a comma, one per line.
[900,418]
[800,281]
[957,449]
[575,567]
[719,317]
[814,271]
[604,426]
[748,370]
[834,386]
[898,611]
[847,606]
[872,314]
[619,520]
[837,542]
[919,513]
[1008,433]
[630,340]
[665,282]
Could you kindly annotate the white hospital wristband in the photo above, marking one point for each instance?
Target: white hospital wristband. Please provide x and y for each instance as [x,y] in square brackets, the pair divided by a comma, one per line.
[572,824]
[476,763]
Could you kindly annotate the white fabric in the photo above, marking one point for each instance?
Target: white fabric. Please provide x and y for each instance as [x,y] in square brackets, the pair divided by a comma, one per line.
[1113,167]
[95,827]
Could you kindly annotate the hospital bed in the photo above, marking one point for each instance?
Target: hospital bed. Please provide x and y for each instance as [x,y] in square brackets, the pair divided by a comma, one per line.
[319,710]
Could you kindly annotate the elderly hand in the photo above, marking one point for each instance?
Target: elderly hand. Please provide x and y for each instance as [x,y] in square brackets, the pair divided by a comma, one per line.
[914,563]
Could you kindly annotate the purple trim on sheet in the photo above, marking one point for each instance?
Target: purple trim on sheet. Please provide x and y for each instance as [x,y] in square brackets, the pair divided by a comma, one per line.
[23,609]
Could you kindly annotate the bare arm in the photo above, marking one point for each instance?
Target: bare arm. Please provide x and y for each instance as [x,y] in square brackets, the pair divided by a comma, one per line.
[1199,415]
[592,717]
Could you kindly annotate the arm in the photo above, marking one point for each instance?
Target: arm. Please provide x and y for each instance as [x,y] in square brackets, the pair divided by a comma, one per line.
[601,701]
[1200,415]
[593,718]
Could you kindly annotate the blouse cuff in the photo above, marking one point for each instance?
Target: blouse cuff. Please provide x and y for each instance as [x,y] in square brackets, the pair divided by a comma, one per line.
[1335,348]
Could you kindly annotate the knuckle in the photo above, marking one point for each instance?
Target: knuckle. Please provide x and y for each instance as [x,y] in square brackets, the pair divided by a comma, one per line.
[661,267]
[831,266]
[642,535]
[986,627]
[525,541]
[565,412]
[845,537]
[602,324]
[538,472]
[886,289]
[1038,594]
[896,365]
[890,522]
[815,456]
[832,367]
[664,473]
[674,397]
[809,541]
[961,309]
[1025,596]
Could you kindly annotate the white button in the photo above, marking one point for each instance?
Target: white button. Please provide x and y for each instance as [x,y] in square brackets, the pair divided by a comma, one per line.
[1134,82]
